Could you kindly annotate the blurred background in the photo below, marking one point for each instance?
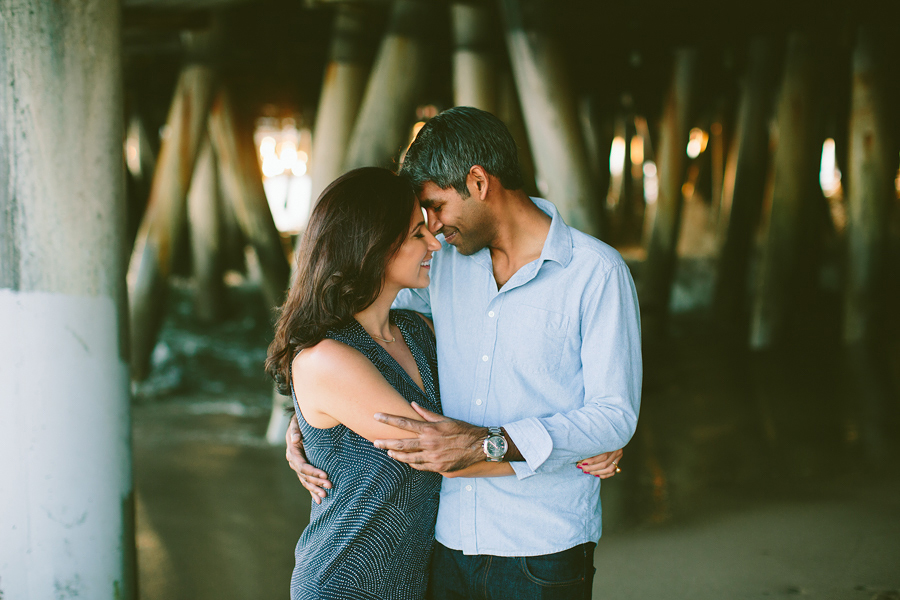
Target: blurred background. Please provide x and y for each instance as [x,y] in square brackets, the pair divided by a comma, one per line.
[160,159]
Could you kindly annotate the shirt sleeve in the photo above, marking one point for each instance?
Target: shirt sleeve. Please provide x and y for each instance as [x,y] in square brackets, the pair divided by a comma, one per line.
[612,368]
[418,300]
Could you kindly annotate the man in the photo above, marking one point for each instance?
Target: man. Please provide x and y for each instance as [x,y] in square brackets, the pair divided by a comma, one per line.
[540,365]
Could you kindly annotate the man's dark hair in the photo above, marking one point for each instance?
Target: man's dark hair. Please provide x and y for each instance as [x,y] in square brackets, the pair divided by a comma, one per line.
[455,140]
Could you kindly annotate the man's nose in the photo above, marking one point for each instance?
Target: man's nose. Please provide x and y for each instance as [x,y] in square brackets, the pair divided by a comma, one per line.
[434,224]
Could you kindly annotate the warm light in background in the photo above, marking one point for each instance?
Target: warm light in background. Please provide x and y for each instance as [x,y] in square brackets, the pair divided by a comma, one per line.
[637,150]
[617,156]
[284,168]
[651,182]
[133,149]
[829,174]
[697,142]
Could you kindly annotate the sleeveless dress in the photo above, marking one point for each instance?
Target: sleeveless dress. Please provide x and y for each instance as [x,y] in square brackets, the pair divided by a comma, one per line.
[372,535]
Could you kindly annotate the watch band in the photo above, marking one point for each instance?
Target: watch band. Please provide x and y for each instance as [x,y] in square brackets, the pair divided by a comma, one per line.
[495,445]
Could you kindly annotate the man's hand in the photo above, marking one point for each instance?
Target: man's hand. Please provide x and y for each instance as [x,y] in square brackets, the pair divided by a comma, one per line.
[603,465]
[313,479]
[441,444]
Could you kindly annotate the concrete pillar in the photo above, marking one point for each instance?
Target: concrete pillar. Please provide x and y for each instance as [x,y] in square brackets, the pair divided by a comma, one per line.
[744,187]
[232,140]
[342,92]
[66,502]
[795,191]
[163,222]
[475,73]
[510,112]
[659,268]
[870,190]
[385,119]
[204,219]
[551,115]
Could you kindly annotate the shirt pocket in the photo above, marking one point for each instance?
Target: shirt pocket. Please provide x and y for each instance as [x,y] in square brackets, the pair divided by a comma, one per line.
[531,339]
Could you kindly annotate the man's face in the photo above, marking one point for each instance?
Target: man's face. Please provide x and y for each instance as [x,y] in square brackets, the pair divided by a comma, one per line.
[464,221]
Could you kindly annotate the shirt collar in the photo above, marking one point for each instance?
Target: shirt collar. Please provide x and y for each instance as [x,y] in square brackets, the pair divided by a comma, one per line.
[558,245]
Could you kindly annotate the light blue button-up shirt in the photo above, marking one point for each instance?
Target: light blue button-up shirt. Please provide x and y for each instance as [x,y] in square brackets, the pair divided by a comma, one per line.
[554,356]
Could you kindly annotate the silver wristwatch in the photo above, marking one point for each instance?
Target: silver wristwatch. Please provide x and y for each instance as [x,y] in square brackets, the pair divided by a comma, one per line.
[495,445]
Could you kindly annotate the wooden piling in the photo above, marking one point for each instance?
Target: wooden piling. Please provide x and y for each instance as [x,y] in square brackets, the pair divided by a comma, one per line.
[475,73]
[659,268]
[204,219]
[387,114]
[152,257]
[66,492]
[342,92]
[870,190]
[795,191]
[551,115]
[242,188]
[743,190]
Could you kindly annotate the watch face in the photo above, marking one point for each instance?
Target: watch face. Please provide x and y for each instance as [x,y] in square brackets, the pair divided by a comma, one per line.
[496,446]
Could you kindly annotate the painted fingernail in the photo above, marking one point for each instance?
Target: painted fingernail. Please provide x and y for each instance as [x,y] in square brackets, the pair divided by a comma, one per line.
[579,468]
[596,476]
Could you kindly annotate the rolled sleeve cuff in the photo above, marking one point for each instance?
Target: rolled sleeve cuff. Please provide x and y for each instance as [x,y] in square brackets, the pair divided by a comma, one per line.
[533,441]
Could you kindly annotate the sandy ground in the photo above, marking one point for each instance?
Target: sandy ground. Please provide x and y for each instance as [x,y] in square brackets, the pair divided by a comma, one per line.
[749,476]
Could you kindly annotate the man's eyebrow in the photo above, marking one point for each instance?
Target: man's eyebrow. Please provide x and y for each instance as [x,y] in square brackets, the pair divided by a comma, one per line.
[426,202]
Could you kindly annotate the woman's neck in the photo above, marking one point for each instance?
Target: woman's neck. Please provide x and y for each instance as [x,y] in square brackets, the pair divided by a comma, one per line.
[375,318]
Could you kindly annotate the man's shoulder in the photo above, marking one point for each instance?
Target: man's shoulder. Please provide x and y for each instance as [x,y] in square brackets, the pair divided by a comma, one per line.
[589,251]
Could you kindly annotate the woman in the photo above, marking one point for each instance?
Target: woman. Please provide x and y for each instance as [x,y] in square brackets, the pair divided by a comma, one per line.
[344,355]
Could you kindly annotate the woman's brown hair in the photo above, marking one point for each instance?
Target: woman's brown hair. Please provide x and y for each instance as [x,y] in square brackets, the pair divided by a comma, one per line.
[358,224]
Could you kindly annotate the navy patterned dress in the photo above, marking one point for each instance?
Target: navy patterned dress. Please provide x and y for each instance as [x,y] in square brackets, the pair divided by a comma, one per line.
[371,537]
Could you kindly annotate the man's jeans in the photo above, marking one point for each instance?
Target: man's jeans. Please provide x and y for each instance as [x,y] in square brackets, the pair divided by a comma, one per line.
[566,575]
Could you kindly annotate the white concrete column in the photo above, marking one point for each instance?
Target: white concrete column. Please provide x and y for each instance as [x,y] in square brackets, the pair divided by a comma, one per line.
[66,503]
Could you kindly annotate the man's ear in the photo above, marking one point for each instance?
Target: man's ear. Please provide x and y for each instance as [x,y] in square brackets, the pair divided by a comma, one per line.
[478,182]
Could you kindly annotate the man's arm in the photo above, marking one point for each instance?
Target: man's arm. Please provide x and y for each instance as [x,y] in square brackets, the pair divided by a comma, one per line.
[612,370]
[455,448]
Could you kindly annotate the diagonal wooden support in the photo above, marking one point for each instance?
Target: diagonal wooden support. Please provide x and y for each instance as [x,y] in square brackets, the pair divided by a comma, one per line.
[232,140]
[551,115]
[152,257]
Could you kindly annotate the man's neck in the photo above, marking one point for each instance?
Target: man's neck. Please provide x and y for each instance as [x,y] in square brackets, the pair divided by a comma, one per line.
[521,230]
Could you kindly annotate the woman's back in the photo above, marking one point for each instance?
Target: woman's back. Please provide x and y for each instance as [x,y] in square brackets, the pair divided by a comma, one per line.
[371,537]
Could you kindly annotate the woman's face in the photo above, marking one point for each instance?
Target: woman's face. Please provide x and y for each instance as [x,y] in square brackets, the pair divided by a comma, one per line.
[410,266]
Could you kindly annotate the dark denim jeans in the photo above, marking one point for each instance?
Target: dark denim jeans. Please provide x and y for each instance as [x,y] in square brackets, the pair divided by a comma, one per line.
[566,575]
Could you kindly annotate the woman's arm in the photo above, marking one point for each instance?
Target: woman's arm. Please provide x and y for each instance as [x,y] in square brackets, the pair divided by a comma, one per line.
[336,384]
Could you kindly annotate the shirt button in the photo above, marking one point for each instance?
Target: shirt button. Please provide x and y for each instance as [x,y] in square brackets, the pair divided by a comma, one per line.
[478,402]
[468,488]
[491,314]
[484,358]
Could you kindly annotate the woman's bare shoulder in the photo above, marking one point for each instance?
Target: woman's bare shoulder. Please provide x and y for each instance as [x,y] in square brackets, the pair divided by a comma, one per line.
[330,359]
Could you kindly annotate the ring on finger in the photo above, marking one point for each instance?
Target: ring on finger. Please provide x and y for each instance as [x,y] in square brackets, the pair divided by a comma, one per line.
[616,465]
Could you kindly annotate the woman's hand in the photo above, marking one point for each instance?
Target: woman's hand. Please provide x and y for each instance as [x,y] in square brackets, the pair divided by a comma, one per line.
[603,465]
[313,479]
